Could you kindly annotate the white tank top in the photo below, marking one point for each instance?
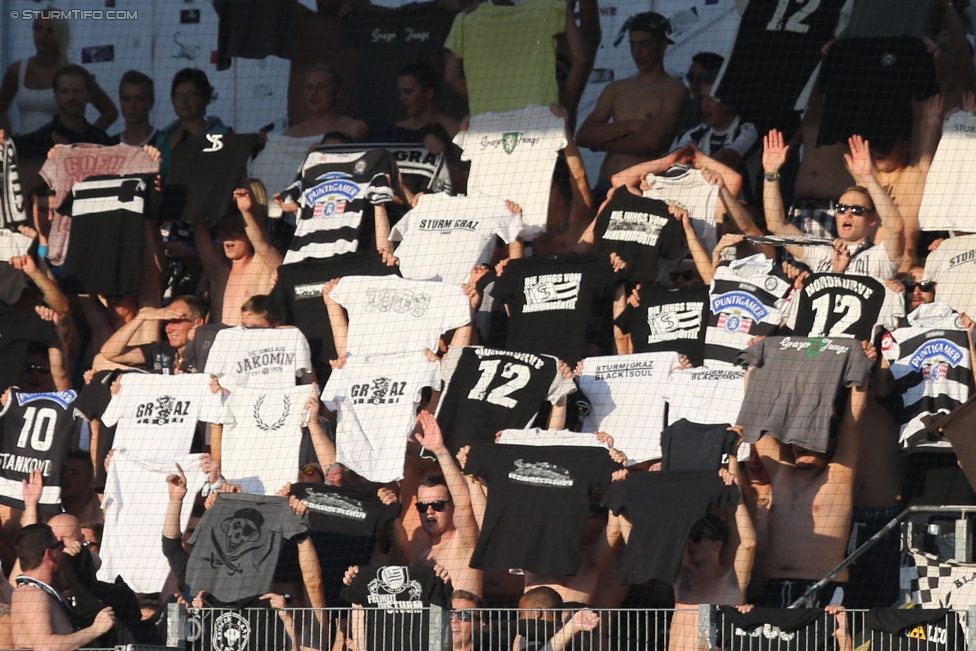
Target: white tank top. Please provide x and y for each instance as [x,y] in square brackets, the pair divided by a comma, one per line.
[35,107]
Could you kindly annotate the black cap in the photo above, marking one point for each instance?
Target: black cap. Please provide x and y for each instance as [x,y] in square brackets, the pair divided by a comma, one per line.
[651,22]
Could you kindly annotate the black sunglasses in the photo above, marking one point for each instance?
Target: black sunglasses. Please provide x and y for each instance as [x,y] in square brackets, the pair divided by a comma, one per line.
[857,211]
[685,275]
[925,285]
[698,535]
[463,615]
[43,369]
[437,505]
[58,545]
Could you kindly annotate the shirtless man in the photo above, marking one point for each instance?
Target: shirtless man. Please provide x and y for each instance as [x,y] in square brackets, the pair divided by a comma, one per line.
[42,618]
[822,176]
[809,521]
[646,109]
[249,259]
[715,569]
[322,85]
[447,517]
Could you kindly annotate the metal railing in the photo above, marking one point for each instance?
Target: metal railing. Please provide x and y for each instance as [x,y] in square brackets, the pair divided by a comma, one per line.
[695,628]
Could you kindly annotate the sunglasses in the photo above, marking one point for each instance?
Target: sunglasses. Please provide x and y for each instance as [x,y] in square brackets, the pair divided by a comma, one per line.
[463,615]
[857,211]
[686,275]
[43,369]
[925,285]
[699,535]
[58,545]
[437,505]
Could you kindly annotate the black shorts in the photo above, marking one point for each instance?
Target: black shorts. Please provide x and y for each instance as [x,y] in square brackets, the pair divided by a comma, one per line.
[780,593]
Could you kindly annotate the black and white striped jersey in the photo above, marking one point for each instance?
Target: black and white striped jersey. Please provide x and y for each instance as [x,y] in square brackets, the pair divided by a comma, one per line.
[930,361]
[336,192]
[746,299]
[107,232]
[11,194]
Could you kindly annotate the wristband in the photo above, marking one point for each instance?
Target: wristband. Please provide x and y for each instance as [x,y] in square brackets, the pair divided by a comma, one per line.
[772,177]
[42,250]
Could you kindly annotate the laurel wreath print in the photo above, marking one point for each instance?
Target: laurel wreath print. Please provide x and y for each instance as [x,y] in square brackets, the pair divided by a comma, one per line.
[263,426]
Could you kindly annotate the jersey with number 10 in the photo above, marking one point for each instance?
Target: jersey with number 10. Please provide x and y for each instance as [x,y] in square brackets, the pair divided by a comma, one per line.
[491,390]
[35,434]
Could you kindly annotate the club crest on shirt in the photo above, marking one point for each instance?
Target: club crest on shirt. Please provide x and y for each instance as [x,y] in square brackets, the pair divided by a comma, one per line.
[540,472]
[674,321]
[239,537]
[734,322]
[231,632]
[551,292]
[165,410]
[333,504]
[510,141]
[394,589]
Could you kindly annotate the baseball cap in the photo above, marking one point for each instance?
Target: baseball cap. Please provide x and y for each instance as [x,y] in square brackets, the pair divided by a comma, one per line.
[652,22]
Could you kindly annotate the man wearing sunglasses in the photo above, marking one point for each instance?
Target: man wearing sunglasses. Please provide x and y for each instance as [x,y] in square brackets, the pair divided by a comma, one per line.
[859,211]
[446,514]
[41,616]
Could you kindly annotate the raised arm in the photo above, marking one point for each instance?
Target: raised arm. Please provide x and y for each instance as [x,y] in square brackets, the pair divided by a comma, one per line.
[117,349]
[773,159]
[849,439]
[176,485]
[255,221]
[582,50]
[454,75]
[632,176]
[433,440]
[861,167]
[325,449]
